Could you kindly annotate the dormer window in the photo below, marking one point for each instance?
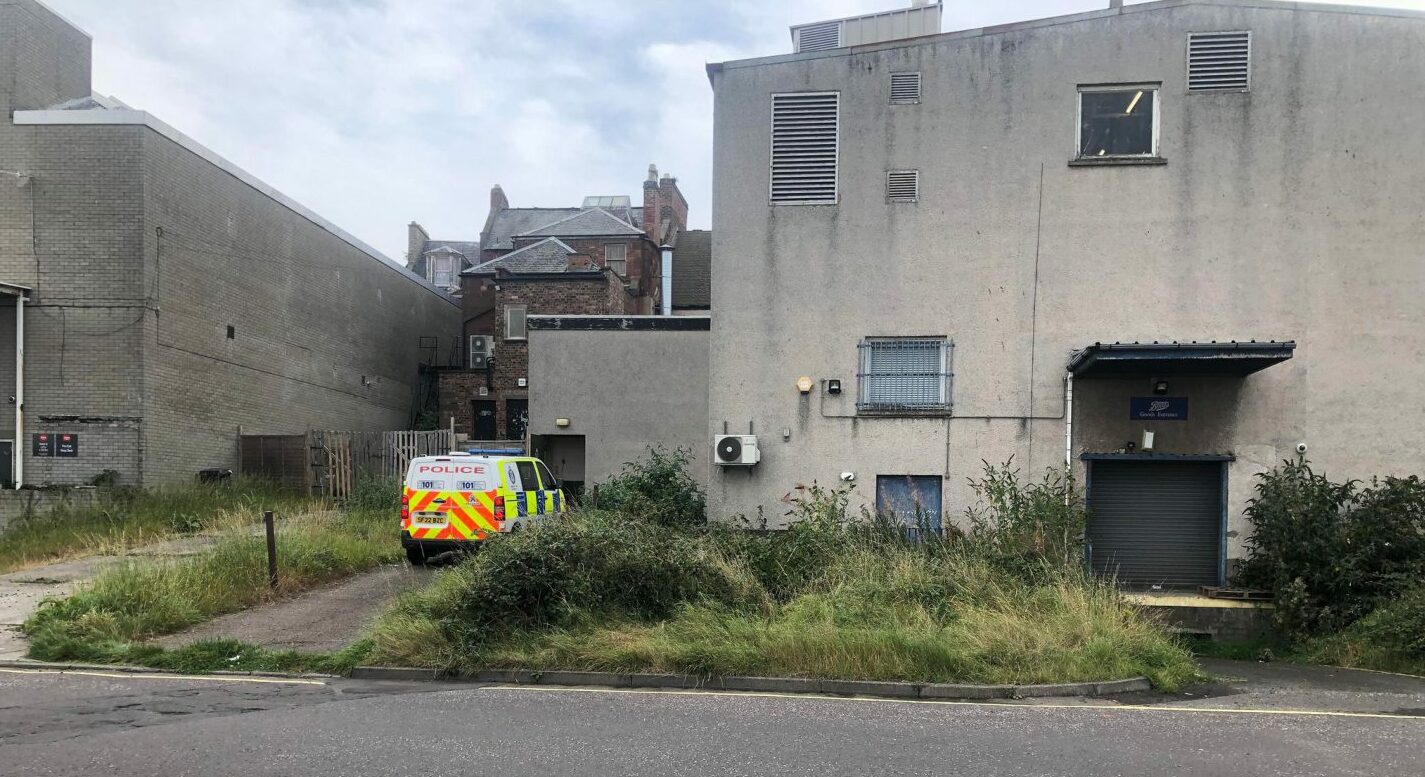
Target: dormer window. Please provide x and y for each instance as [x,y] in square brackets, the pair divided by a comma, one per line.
[442,270]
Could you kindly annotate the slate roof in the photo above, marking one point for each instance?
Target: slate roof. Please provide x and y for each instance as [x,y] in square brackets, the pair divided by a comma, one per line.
[513,221]
[549,255]
[692,269]
[591,222]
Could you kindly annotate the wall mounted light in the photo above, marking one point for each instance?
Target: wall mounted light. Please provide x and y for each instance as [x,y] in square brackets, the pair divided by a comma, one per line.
[804,384]
[833,386]
[562,423]
[1160,387]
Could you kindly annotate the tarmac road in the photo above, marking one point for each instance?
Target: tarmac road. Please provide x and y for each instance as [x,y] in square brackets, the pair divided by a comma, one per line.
[102,723]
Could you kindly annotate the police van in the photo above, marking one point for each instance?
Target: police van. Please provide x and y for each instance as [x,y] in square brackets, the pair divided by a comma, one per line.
[458,501]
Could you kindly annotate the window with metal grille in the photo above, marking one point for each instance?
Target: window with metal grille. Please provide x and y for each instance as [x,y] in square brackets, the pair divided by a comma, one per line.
[902,185]
[904,373]
[818,37]
[616,257]
[905,88]
[515,322]
[1219,61]
[805,130]
[1118,121]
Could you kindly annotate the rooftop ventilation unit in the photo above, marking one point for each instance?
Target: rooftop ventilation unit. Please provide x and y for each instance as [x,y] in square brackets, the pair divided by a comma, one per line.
[922,18]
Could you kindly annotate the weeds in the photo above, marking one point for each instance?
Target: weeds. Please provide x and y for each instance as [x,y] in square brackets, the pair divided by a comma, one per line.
[127,518]
[835,595]
[657,489]
[126,604]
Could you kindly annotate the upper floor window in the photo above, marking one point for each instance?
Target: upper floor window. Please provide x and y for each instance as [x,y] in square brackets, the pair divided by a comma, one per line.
[616,257]
[442,270]
[904,373]
[515,322]
[1118,121]
[805,131]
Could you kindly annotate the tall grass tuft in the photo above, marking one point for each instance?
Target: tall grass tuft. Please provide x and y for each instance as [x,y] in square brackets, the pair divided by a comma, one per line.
[125,518]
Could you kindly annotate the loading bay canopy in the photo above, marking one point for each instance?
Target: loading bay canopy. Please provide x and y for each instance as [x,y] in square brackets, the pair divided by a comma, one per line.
[1154,360]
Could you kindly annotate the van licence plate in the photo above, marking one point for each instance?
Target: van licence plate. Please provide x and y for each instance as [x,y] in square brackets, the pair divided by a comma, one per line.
[428,518]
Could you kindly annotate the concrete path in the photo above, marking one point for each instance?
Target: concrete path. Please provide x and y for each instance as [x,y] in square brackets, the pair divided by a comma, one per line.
[21,592]
[320,620]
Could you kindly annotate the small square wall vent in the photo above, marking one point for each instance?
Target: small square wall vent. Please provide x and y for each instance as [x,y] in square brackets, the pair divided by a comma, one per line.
[1219,61]
[902,185]
[905,88]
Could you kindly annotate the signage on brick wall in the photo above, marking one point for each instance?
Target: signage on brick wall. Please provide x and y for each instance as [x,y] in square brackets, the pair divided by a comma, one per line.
[67,446]
[1158,409]
[42,444]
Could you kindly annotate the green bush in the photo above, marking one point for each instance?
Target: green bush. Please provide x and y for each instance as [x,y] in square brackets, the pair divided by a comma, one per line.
[1021,525]
[1390,638]
[656,488]
[603,563]
[1332,552]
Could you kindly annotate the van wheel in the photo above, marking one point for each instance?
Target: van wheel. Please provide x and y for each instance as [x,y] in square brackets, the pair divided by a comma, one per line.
[415,555]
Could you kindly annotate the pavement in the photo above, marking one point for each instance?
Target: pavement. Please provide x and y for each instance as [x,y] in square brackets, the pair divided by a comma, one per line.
[320,620]
[100,722]
[21,592]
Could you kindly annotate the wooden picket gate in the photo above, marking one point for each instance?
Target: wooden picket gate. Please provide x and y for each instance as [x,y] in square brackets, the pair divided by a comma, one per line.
[341,459]
[331,463]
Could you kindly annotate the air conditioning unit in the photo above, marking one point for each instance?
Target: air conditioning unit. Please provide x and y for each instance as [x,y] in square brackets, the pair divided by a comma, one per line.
[482,349]
[735,450]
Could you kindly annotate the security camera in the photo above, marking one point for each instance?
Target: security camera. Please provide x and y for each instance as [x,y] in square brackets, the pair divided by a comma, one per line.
[1301,447]
[848,476]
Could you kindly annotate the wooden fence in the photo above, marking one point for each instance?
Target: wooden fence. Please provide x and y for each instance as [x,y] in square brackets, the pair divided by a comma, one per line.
[332,463]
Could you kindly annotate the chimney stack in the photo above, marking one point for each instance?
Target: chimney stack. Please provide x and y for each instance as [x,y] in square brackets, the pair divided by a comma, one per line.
[416,238]
[651,203]
[497,199]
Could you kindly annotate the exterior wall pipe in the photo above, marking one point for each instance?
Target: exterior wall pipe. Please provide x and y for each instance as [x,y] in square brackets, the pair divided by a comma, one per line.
[666,293]
[18,450]
[1069,422]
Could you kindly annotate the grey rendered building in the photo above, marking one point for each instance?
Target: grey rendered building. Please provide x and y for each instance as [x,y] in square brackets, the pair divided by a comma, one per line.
[171,300]
[1199,219]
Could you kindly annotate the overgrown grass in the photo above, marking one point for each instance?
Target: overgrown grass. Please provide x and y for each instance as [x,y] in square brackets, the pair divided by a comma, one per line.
[127,518]
[105,619]
[231,655]
[830,598]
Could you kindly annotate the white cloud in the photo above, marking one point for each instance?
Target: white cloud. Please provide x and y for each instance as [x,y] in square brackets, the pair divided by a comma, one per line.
[377,112]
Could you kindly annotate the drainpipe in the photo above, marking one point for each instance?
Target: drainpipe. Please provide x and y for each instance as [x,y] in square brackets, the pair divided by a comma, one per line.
[18,450]
[666,306]
[1069,422]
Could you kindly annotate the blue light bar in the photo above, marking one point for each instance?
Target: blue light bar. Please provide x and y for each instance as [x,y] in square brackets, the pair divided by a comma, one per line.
[496,452]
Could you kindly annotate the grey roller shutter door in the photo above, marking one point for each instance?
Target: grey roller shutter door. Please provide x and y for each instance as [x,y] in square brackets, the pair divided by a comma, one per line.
[1154,522]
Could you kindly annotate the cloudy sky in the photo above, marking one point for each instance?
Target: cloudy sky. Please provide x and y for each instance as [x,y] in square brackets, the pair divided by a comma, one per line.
[375,113]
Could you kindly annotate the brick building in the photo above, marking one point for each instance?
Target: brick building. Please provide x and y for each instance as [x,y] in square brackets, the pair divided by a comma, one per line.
[170,299]
[600,259]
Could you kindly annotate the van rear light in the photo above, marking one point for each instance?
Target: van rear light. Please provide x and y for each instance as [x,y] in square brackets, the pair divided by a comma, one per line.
[499,508]
[405,505]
